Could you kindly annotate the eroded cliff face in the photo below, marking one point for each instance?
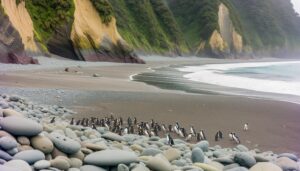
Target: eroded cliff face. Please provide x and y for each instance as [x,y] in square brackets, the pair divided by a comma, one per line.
[225,42]
[21,21]
[94,40]
[11,43]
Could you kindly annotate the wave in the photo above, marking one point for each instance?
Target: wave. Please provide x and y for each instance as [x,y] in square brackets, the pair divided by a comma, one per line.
[215,74]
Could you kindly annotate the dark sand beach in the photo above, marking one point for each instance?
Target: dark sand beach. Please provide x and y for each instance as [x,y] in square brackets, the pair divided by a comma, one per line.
[274,125]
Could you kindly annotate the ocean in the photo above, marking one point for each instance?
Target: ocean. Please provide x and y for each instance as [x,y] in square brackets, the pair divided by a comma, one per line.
[265,80]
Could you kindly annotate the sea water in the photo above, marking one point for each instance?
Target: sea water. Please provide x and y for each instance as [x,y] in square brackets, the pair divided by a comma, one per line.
[270,77]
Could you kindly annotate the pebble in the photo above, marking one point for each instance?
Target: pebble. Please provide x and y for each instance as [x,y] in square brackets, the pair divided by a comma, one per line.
[244,159]
[286,164]
[42,143]
[110,158]
[197,155]
[150,152]
[8,143]
[20,126]
[5,156]
[11,112]
[172,154]
[113,137]
[158,163]
[23,140]
[203,145]
[91,168]
[30,156]
[265,166]
[289,155]
[19,165]
[42,164]
[60,163]
[64,143]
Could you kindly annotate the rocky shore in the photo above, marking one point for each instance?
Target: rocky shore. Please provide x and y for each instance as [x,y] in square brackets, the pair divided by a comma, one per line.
[29,141]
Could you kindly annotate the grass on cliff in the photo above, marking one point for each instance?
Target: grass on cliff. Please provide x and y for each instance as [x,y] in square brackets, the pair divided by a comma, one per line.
[49,15]
[104,9]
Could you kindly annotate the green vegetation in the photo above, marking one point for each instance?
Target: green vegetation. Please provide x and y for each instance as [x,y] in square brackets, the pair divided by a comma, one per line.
[104,9]
[49,15]
[148,25]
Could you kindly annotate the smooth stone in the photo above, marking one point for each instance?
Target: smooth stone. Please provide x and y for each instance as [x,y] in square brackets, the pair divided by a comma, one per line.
[110,158]
[289,155]
[91,168]
[42,164]
[158,163]
[204,145]
[151,152]
[30,156]
[206,167]
[21,126]
[8,143]
[24,148]
[242,148]
[5,134]
[113,137]
[13,151]
[10,112]
[3,105]
[64,143]
[2,161]
[6,168]
[73,169]
[244,159]
[42,143]
[231,166]
[20,165]
[136,147]
[75,162]
[60,163]
[96,147]
[224,160]
[172,154]
[55,153]
[265,166]
[240,169]
[79,155]
[140,167]
[197,155]
[122,167]
[14,98]
[217,165]
[287,164]
[23,140]
[5,156]
[260,158]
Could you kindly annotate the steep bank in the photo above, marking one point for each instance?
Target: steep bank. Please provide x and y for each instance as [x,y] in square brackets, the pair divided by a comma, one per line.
[95,40]
[21,21]
[11,42]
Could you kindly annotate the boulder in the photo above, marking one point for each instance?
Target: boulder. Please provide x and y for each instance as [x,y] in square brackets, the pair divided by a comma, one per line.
[30,156]
[244,159]
[64,143]
[265,166]
[11,112]
[42,143]
[42,164]
[204,145]
[197,155]
[20,126]
[19,165]
[286,164]
[91,168]
[8,143]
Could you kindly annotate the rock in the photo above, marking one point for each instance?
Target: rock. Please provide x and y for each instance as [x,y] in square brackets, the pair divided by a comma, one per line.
[289,155]
[5,156]
[75,163]
[91,168]
[3,105]
[203,145]
[206,167]
[244,159]
[122,167]
[20,126]
[24,148]
[265,166]
[261,158]
[42,164]
[60,163]
[140,167]
[224,160]
[6,168]
[286,164]
[64,143]
[96,147]
[110,158]
[55,153]
[197,155]
[2,161]
[73,169]
[113,137]
[172,154]
[30,156]
[13,151]
[242,148]
[158,163]
[8,143]
[11,112]
[240,169]
[136,147]
[23,140]
[20,165]
[79,155]
[150,152]
[96,75]
[42,143]
[14,98]
[5,134]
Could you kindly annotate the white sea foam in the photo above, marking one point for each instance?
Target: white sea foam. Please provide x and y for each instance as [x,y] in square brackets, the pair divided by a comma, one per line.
[214,74]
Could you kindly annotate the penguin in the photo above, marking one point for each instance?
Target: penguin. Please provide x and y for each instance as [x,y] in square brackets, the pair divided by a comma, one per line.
[78,122]
[246,127]
[202,135]
[193,132]
[170,128]
[231,136]
[72,121]
[135,121]
[125,131]
[163,127]
[218,136]
[198,137]
[180,133]
[129,121]
[52,120]
[170,140]
[236,139]
[189,137]
[94,126]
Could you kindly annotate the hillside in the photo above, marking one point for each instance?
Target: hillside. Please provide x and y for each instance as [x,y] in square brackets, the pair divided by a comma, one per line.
[118,30]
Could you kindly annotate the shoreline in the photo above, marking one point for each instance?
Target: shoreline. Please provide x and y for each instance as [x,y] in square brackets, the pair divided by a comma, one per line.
[113,92]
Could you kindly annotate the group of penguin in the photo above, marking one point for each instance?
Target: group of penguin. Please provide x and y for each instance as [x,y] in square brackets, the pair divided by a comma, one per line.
[152,128]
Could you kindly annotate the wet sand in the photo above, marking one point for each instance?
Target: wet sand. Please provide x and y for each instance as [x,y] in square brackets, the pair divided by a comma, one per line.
[273,125]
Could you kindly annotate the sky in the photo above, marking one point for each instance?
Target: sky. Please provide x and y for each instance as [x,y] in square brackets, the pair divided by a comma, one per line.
[296,5]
